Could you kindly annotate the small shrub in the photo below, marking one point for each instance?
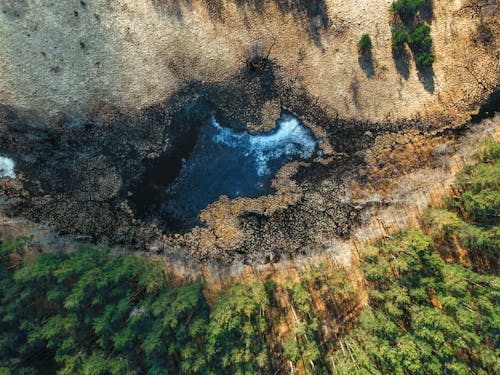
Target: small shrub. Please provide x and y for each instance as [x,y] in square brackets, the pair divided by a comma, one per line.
[425,59]
[365,44]
[406,9]
[399,39]
[421,38]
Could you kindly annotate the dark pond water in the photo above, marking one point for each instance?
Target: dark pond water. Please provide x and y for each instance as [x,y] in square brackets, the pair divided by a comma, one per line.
[224,161]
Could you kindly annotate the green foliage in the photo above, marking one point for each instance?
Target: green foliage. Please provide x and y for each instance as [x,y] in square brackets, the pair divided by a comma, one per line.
[89,312]
[419,41]
[235,335]
[442,222]
[480,187]
[421,38]
[418,38]
[481,192]
[424,59]
[400,38]
[425,316]
[489,152]
[474,221]
[301,343]
[421,44]
[406,9]
[365,44]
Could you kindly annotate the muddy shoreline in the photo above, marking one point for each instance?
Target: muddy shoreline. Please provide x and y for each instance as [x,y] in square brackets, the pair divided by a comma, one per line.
[80,175]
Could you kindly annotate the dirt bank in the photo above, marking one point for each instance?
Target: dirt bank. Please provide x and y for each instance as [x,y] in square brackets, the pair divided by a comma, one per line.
[75,55]
[92,94]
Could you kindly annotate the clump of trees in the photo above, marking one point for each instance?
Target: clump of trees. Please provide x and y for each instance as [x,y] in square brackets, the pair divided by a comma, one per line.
[414,34]
[479,186]
[472,217]
[424,316]
[302,343]
[237,329]
[89,312]
[406,9]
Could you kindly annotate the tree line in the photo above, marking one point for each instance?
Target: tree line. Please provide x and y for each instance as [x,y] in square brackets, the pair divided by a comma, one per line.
[88,312]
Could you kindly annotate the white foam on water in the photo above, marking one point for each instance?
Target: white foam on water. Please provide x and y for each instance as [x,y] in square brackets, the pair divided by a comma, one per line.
[6,167]
[290,138]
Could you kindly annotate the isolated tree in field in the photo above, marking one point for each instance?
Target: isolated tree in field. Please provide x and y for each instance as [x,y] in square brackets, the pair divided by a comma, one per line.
[364,44]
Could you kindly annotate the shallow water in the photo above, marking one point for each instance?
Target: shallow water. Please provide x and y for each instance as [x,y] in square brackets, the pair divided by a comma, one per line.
[224,161]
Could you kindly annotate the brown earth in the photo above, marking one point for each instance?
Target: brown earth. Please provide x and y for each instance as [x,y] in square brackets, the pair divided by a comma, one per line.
[71,56]
[90,92]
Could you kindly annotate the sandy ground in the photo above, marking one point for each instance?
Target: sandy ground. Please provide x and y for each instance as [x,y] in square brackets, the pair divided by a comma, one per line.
[73,55]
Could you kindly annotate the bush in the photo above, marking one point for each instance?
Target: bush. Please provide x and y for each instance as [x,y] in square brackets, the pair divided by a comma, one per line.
[421,38]
[406,9]
[365,44]
[421,44]
[399,38]
[424,59]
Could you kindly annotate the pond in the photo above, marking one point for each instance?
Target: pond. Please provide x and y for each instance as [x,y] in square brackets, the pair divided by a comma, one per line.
[223,160]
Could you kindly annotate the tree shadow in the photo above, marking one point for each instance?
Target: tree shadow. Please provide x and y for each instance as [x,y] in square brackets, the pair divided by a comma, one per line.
[402,62]
[426,77]
[488,109]
[355,94]
[365,61]
[426,12]
[312,15]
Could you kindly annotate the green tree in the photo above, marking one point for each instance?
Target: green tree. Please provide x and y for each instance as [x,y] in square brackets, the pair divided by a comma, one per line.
[237,328]
[400,38]
[301,342]
[421,44]
[406,9]
[421,38]
[364,44]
